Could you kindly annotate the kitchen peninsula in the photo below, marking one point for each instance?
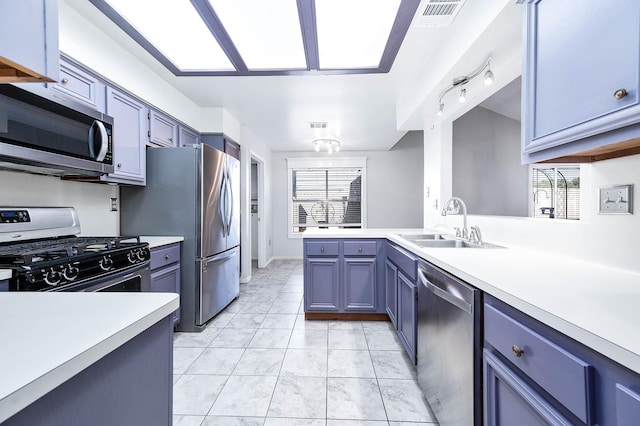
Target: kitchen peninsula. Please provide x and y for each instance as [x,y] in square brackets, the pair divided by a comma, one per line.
[72,358]
[566,325]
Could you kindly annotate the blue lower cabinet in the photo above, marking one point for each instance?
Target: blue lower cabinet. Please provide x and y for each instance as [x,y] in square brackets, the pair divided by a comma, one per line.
[407,314]
[132,385]
[165,272]
[534,375]
[359,293]
[344,275]
[509,400]
[401,291]
[321,278]
[627,406]
[391,291]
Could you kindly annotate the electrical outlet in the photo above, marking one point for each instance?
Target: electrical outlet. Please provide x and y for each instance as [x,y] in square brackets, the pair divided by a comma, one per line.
[114,204]
[616,199]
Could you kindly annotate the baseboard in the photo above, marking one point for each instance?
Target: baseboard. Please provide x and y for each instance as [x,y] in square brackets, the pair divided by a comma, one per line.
[345,316]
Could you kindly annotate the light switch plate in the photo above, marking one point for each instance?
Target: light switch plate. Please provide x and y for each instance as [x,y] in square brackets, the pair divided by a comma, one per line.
[616,199]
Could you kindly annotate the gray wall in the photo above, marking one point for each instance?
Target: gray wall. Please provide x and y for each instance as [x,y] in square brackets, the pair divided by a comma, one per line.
[394,189]
[487,173]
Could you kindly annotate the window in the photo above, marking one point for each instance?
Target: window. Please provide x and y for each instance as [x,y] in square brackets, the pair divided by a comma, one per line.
[556,191]
[326,194]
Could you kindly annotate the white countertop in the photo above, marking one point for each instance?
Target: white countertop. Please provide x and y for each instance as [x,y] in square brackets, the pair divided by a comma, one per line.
[157,241]
[5,274]
[48,338]
[594,304]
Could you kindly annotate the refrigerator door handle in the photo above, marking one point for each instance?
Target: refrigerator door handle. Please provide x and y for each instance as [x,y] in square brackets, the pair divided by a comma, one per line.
[229,195]
[223,206]
[220,257]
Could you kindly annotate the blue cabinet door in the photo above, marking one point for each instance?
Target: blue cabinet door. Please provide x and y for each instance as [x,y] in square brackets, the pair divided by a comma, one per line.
[407,314]
[359,284]
[187,136]
[130,132]
[572,72]
[29,40]
[167,280]
[80,85]
[508,400]
[321,283]
[163,130]
[391,291]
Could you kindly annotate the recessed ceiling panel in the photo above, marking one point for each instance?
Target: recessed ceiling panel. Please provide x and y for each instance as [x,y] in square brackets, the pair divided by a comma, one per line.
[175,28]
[353,33]
[266,33]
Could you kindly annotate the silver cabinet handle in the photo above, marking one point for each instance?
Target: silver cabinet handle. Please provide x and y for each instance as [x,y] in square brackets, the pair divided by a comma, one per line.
[321,249]
[620,93]
[359,249]
[167,257]
[65,81]
[517,351]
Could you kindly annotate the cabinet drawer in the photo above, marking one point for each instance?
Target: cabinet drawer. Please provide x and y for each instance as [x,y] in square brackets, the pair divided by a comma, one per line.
[163,256]
[80,86]
[405,261]
[360,248]
[627,406]
[564,376]
[322,248]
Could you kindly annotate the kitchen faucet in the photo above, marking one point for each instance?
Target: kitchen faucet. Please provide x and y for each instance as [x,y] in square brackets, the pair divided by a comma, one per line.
[455,205]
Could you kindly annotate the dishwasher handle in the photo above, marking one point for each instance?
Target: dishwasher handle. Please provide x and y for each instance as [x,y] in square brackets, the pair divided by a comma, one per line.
[443,294]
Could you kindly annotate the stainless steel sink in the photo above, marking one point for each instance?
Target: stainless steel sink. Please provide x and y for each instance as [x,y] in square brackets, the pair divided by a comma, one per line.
[421,237]
[444,241]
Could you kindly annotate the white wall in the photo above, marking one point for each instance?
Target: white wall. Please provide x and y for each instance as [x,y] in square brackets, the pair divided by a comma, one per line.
[91,200]
[486,169]
[394,184]
[604,239]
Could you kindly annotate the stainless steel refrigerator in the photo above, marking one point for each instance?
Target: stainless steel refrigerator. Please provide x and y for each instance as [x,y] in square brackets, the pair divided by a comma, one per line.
[192,191]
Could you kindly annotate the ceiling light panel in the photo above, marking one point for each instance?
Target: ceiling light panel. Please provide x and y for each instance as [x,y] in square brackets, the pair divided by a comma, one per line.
[354,33]
[267,34]
[175,28]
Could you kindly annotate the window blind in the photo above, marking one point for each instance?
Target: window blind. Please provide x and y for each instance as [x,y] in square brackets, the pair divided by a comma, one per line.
[326,197]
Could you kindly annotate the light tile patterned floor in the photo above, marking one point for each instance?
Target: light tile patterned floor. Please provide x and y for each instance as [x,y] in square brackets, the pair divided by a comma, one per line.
[260,363]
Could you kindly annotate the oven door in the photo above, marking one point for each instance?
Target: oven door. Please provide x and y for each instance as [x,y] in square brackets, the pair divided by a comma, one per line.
[137,278]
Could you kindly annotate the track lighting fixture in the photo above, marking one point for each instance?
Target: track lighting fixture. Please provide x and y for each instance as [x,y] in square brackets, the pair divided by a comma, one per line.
[460,81]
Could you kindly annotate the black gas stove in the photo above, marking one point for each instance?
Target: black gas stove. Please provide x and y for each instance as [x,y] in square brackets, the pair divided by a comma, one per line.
[67,262]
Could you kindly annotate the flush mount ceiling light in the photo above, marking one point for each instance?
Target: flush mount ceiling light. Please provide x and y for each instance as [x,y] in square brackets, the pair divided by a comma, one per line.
[266,37]
[459,82]
[328,144]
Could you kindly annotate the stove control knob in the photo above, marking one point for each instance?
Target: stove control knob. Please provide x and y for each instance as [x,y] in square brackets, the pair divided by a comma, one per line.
[141,254]
[131,256]
[52,277]
[70,273]
[105,263]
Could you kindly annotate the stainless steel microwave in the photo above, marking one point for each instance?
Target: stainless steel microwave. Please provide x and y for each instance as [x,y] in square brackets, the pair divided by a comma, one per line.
[40,134]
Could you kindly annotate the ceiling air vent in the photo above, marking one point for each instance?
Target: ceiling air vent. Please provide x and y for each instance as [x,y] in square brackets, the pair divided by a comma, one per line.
[318,124]
[437,13]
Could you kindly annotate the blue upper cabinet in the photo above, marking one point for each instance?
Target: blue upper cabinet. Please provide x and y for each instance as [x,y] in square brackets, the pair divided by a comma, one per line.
[163,130]
[28,41]
[581,76]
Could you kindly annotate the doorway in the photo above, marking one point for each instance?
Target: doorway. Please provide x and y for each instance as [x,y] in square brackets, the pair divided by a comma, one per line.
[258,248]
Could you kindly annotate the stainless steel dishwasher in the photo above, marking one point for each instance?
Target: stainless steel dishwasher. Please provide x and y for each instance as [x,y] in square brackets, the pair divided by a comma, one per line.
[449,361]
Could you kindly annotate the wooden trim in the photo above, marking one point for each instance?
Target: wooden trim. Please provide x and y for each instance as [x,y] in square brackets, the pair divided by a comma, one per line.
[345,316]
[616,150]
[11,72]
